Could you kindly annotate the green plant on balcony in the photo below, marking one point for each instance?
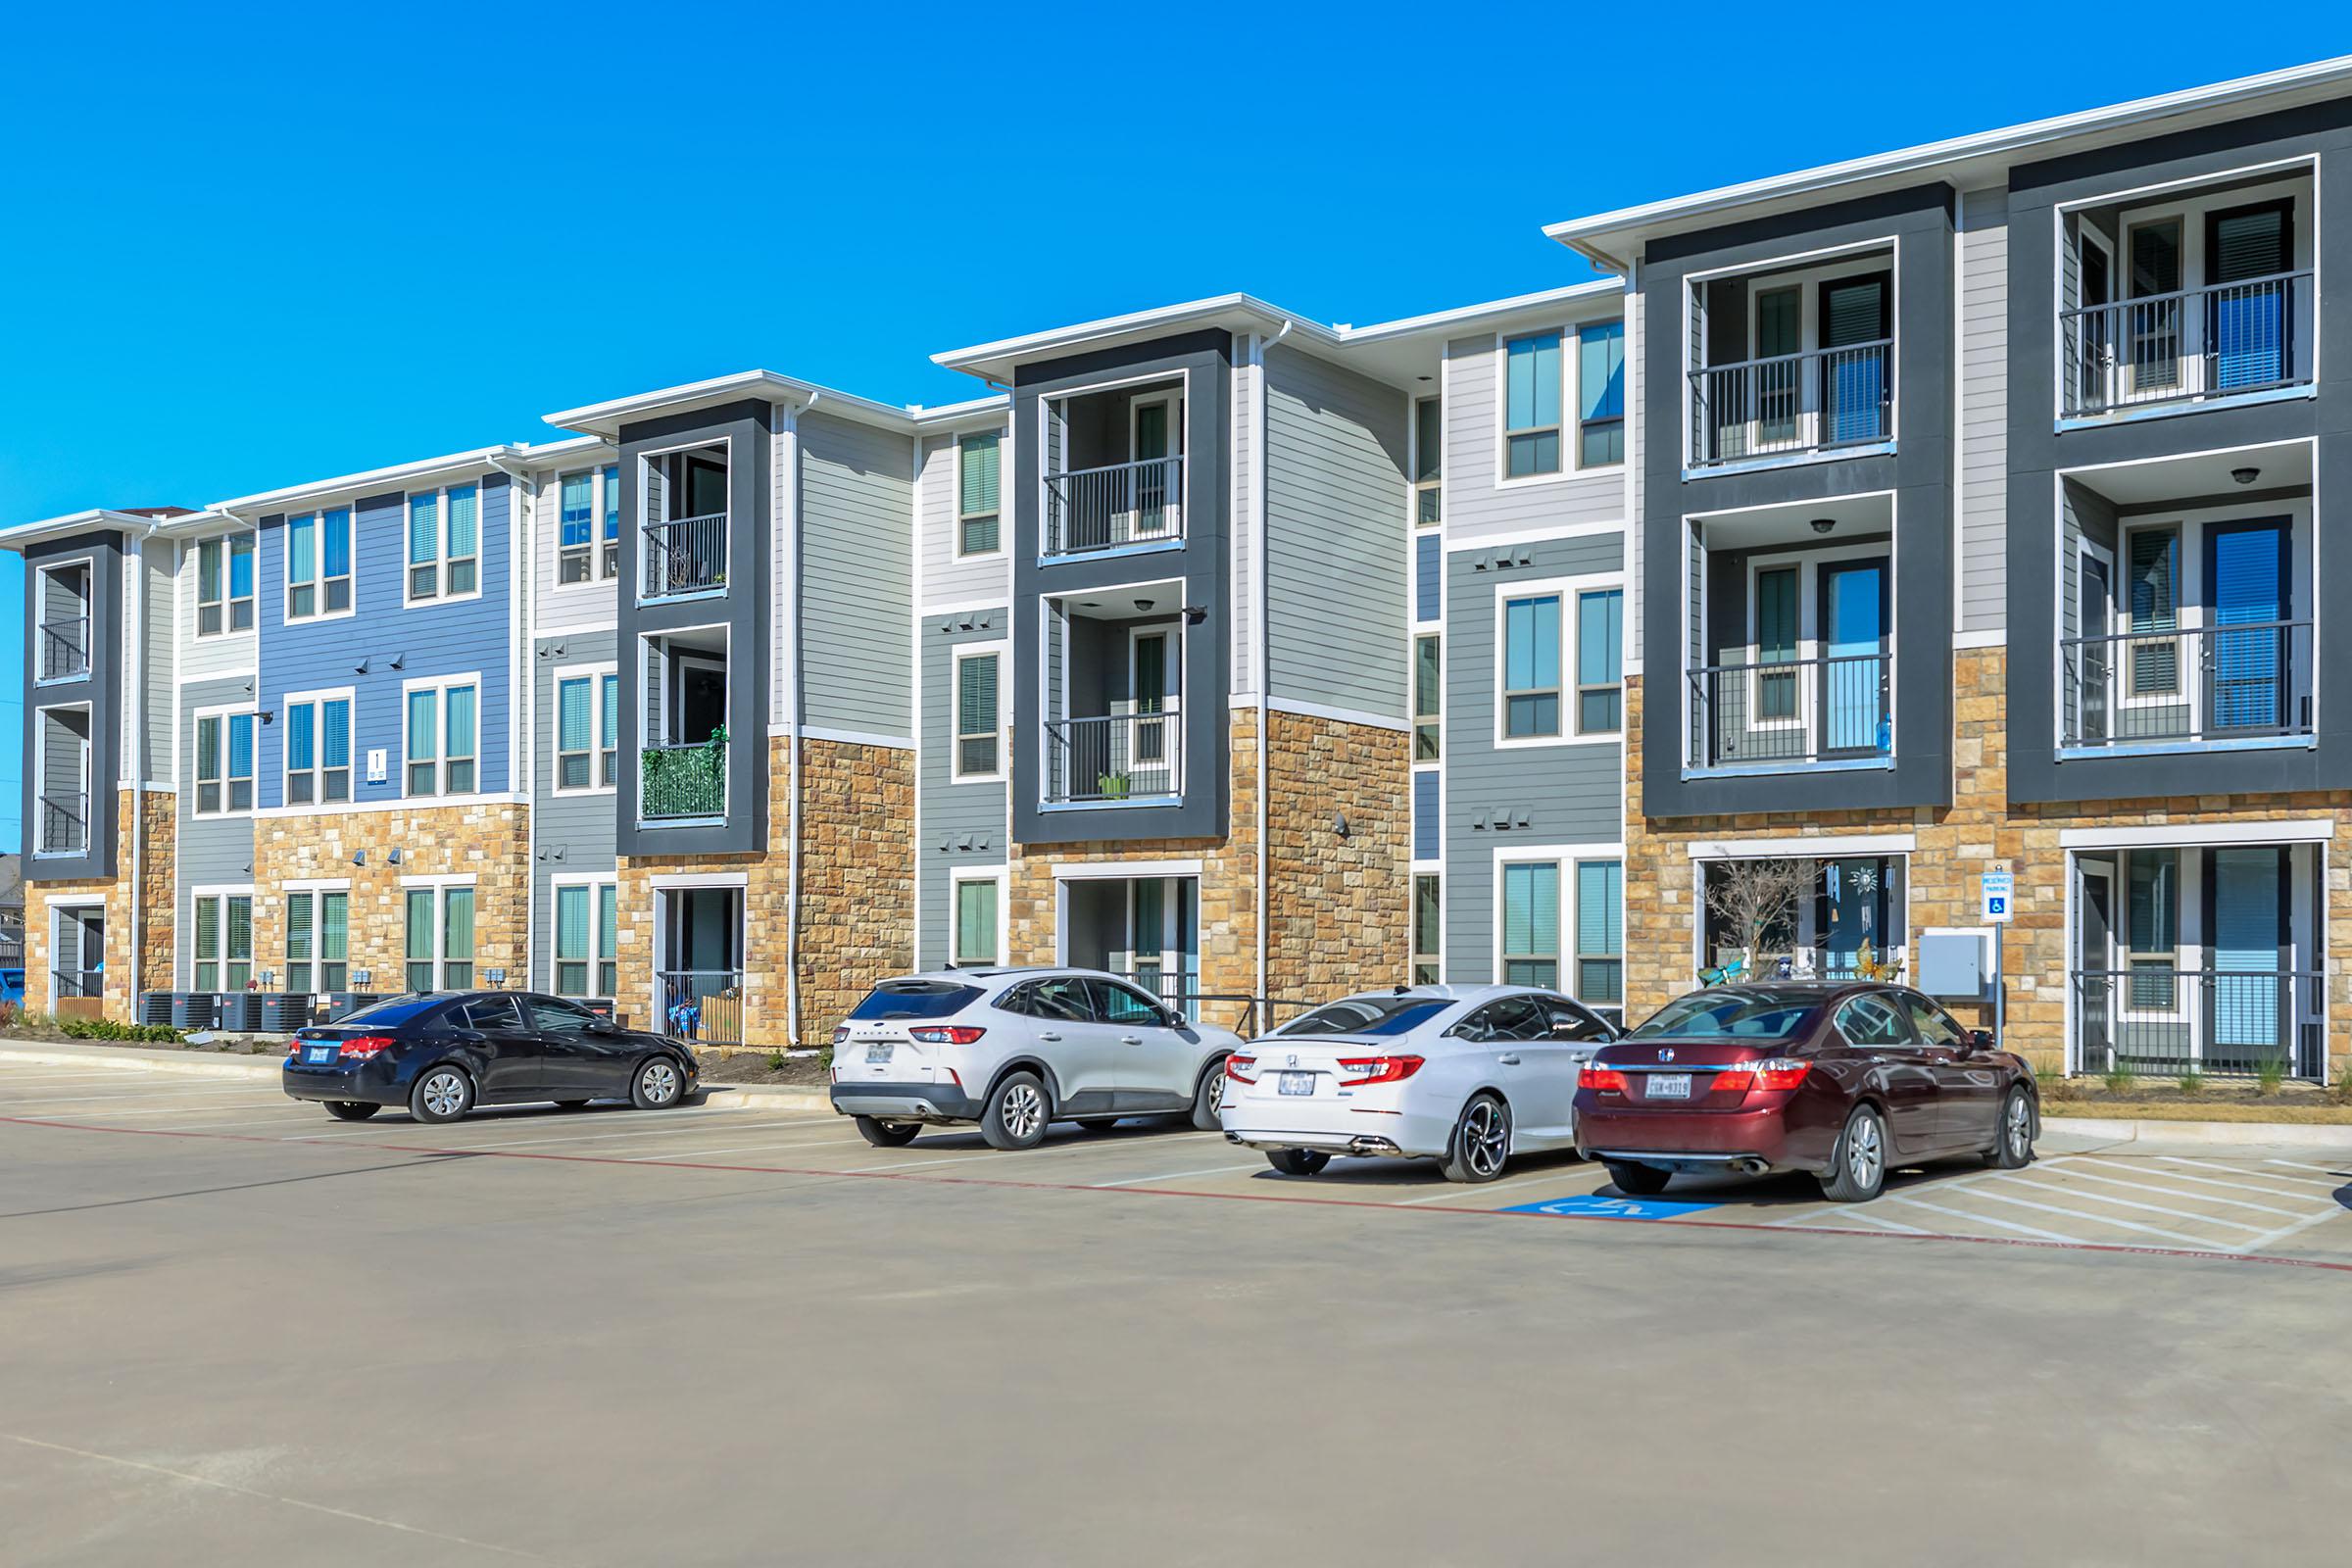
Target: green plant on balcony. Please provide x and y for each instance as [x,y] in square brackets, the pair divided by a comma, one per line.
[1111,786]
[686,780]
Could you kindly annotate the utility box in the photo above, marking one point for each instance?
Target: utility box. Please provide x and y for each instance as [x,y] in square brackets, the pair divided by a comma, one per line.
[1956,964]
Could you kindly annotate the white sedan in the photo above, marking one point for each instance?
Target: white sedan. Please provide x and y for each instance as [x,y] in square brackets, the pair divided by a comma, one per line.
[1466,1075]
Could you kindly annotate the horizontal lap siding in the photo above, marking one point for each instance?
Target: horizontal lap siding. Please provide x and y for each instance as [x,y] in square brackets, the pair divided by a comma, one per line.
[1476,503]
[590,604]
[948,580]
[155,752]
[1984,409]
[207,852]
[857,544]
[1244,536]
[572,834]
[202,658]
[949,815]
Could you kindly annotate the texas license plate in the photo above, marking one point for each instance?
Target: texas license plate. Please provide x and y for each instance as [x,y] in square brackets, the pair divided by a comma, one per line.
[879,1053]
[1669,1086]
[1297,1083]
[314,1055]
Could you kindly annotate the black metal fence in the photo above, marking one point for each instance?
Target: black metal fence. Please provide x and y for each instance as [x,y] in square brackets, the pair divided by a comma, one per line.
[2155,1020]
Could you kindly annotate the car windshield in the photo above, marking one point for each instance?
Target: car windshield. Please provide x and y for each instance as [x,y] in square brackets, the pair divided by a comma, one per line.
[1367,1016]
[915,999]
[1740,1014]
[393,1011]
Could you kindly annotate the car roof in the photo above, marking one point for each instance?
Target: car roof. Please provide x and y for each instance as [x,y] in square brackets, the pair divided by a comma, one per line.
[991,972]
[1450,992]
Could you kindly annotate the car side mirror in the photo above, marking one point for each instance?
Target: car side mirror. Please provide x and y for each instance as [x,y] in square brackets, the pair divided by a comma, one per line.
[1174,1018]
[1980,1040]
[603,1026]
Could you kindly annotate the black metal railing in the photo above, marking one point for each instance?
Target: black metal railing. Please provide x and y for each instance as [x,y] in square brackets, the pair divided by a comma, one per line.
[704,1006]
[2210,683]
[688,780]
[65,648]
[2222,340]
[64,824]
[2154,1020]
[684,556]
[1810,402]
[1792,711]
[80,982]
[1115,757]
[1122,503]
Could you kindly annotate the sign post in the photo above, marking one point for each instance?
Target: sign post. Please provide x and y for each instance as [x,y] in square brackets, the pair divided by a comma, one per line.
[1996,906]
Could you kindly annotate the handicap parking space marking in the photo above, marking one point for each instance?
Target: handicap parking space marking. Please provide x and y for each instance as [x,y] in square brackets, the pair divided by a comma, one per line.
[1982,1219]
[1836,1218]
[2265,1175]
[1593,1205]
[2078,1170]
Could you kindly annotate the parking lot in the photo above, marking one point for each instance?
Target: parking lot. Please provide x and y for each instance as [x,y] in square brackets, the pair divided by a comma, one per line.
[246,1331]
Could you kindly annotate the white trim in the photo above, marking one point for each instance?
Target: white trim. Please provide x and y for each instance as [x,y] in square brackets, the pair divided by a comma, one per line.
[441,879]
[1995,638]
[1567,589]
[287,701]
[1565,860]
[407,803]
[1345,715]
[848,737]
[957,516]
[598,580]
[594,673]
[195,720]
[228,601]
[1001,603]
[1502,413]
[442,559]
[958,876]
[595,960]
[1000,650]
[700,879]
[1821,846]
[315,884]
[1483,539]
[442,686]
[1115,870]
[319,580]
[2197,835]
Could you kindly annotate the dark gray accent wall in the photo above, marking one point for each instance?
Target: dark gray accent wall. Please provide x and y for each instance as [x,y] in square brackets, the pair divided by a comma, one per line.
[100,687]
[1201,561]
[1919,222]
[2038,450]
[956,825]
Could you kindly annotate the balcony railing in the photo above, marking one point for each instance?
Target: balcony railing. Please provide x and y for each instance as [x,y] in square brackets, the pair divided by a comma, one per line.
[2222,340]
[679,781]
[2213,683]
[704,1005]
[1119,756]
[64,824]
[80,982]
[1125,504]
[1783,713]
[2155,1020]
[684,556]
[1789,403]
[65,648]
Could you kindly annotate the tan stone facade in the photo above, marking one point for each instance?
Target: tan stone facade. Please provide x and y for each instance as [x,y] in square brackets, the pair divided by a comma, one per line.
[1956,843]
[144,898]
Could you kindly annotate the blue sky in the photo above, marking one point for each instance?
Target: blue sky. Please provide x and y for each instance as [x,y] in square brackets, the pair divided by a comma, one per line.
[256,247]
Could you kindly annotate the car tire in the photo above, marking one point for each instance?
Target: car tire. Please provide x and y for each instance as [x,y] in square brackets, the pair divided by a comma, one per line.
[887,1134]
[1099,1125]
[1636,1181]
[351,1110]
[1298,1161]
[658,1084]
[2013,1137]
[443,1094]
[1858,1164]
[1481,1145]
[1208,1095]
[1018,1113]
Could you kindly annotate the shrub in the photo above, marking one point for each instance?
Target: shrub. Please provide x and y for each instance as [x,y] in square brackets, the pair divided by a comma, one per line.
[2191,1081]
[2119,1080]
[775,1061]
[2270,1075]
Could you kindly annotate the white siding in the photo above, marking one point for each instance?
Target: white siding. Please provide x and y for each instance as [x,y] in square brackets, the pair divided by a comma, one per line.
[1984,409]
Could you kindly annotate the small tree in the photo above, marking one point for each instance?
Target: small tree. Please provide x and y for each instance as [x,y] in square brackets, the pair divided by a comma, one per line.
[1759,900]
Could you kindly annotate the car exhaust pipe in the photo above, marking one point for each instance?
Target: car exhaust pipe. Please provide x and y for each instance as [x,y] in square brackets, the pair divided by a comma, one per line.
[1749,1166]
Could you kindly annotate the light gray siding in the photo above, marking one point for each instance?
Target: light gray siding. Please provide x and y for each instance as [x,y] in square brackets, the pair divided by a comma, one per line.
[1476,502]
[956,825]
[153,756]
[1636,431]
[857,553]
[201,657]
[208,851]
[946,579]
[573,835]
[1984,409]
[1338,550]
[1244,542]
[558,606]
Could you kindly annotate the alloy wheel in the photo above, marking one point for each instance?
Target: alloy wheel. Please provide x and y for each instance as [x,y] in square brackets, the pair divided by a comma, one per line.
[444,1093]
[2017,1128]
[1484,1137]
[1024,1110]
[1864,1153]
[661,1081]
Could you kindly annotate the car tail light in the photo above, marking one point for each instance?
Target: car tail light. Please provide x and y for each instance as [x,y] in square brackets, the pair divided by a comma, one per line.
[1378,1069]
[1739,1080]
[1241,1069]
[951,1034]
[367,1045]
[1604,1080]
[1781,1072]
[293,1047]
[841,1032]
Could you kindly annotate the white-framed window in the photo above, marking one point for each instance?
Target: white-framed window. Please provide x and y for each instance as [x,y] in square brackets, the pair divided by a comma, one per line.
[224,761]
[1599,661]
[1560,921]
[1429,461]
[1428,697]
[976,934]
[224,940]
[1560,660]
[587,729]
[318,747]
[319,565]
[979,718]
[317,940]
[1601,394]
[587,937]
[439,945]
[1532,385]
[979,488]
[588,526]
[225,585]
[1428,930]
[445,544]
[1531,666]
[440,735]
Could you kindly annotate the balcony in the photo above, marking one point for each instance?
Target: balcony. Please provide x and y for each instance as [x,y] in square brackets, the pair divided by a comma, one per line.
[682,753]
[683,780]
[1114,471]
[65,648]
[1114,758]
[62,594]
[1113,727]
[64,824]
[683,509]
[1794,361]
[2208,686]
[685,556]
[1788,713]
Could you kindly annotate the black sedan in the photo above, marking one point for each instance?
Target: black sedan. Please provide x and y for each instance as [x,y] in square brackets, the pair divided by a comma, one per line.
[443,1054]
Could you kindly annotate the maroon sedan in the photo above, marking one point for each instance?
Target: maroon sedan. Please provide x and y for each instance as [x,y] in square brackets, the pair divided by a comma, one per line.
[1841,1080]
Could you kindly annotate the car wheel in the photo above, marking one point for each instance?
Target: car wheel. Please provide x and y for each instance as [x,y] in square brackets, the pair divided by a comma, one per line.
[1298,1161]
[887,1134]
[1208,1096]
[351,1110]
[1858,1172]
[658,1084]
[1481,1140]
[2014,1149]
[1016,1114]
[1636,1181]
[442,1094]
[1101,1124]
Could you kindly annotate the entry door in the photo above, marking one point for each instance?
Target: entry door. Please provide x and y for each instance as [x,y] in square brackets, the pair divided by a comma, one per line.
[2095,959]
[2246,1009]
[1855,392]
[2247,321]
[2152,321]
[1153,438]
[1779,385]
[1854,627]
[2094,664]
[1151,675]
[2246,668]
[2095,351]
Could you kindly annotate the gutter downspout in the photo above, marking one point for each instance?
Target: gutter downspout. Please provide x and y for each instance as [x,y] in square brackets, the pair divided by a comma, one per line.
[523,693]
[792,712]
[135,712]
[1259,465]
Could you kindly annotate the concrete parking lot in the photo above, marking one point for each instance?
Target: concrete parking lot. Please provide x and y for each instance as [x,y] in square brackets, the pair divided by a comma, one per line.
[239,1331]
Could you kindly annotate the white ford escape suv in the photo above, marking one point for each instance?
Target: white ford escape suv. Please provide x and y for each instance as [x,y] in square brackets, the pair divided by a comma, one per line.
[1014,1048]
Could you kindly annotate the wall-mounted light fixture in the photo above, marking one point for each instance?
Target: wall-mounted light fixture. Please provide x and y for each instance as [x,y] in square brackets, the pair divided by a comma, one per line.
[1824,525]
[2246,475]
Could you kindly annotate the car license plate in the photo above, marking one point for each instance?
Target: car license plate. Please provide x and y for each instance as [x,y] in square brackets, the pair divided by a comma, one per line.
[316,1054]
[1297,1083]
[879,1053]
[1669,1086]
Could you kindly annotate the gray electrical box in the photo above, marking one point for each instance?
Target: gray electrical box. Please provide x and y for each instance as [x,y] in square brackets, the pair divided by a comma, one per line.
[1955,964]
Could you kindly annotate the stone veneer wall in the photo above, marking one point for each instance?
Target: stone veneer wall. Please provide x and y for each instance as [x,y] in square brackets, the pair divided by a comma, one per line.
[126,896]
[1954,845]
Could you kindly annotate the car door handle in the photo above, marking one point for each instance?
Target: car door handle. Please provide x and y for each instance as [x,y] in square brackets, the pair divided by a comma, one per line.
[1048,1035]
[1511,1060]
[1131,1040]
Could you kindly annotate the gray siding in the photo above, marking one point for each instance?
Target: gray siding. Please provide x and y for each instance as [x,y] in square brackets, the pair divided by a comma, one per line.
[857,546]
[1476,503]
[956,824]
[1984,409]
[201,657]
[1338,558]
[571,834]
[946,580]
[1429,833]
[1244,542]
[208,851]
[154,759]
[540,521]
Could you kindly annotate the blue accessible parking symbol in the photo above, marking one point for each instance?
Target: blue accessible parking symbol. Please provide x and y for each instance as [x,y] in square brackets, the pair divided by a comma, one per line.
[1595,1205]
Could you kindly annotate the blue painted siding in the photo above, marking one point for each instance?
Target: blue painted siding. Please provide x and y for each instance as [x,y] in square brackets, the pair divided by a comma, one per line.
[1426,823]
[1428,589]
[436,638]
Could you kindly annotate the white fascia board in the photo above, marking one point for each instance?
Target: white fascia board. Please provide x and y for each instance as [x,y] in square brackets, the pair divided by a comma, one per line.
[995,362]
[398,474]
[1491,314]
[606,419]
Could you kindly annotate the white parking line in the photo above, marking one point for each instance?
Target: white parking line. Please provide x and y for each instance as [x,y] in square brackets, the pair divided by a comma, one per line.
[1839,1215]
[2285,1231]
[2132,1203]
[1179,1175]
[2102,1219]
[2332,1170]
[2077,1169]
[2240,1170]
[1978,1219]
[2169,1173]
[746,1148]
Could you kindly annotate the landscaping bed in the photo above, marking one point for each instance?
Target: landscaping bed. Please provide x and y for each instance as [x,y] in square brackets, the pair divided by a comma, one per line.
[797,1069]
[2151,1100]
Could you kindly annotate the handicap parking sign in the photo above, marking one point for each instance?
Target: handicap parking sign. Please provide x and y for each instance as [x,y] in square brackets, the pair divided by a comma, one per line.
[1998,891]
[1595,1206]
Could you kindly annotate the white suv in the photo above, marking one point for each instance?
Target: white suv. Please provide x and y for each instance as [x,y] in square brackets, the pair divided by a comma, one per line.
[1015,1049]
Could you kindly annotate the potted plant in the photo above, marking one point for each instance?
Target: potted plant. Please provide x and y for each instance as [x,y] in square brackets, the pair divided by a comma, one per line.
[1111,786]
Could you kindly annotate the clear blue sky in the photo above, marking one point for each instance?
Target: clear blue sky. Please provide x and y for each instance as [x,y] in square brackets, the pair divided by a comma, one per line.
[247,250]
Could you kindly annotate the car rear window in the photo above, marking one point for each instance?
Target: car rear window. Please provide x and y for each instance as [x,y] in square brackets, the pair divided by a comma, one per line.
[1367,1016]
[915,999]
[394,1010]
[1729,1016]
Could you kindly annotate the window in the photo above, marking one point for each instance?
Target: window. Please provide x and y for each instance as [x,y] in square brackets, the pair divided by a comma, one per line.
[1428,700]
[318,749]
[225,585]
[1118,1005]
[1065,999]
[976,717]
[1601,394]
[1777,643]
[587,939]
[552,1018]
[445,543]
[2153,587]
[223,941]
[1531,666]
[2152,932]
[440,939]
[1531,924]
[977,476]
[440,743]
[1600,933]
[1426,962]
[583,501]
[1531,413]
[1393,1014]
[587,730]
[317,942]
[1872,1020]
[1600,668]
[976,904]
[224,763]
[319,563]
[1510,1018]
[1935,1025]
[493,1015]
[1429,461]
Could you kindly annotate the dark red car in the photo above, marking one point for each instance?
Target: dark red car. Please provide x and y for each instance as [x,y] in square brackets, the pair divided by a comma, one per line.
[1841,1080]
